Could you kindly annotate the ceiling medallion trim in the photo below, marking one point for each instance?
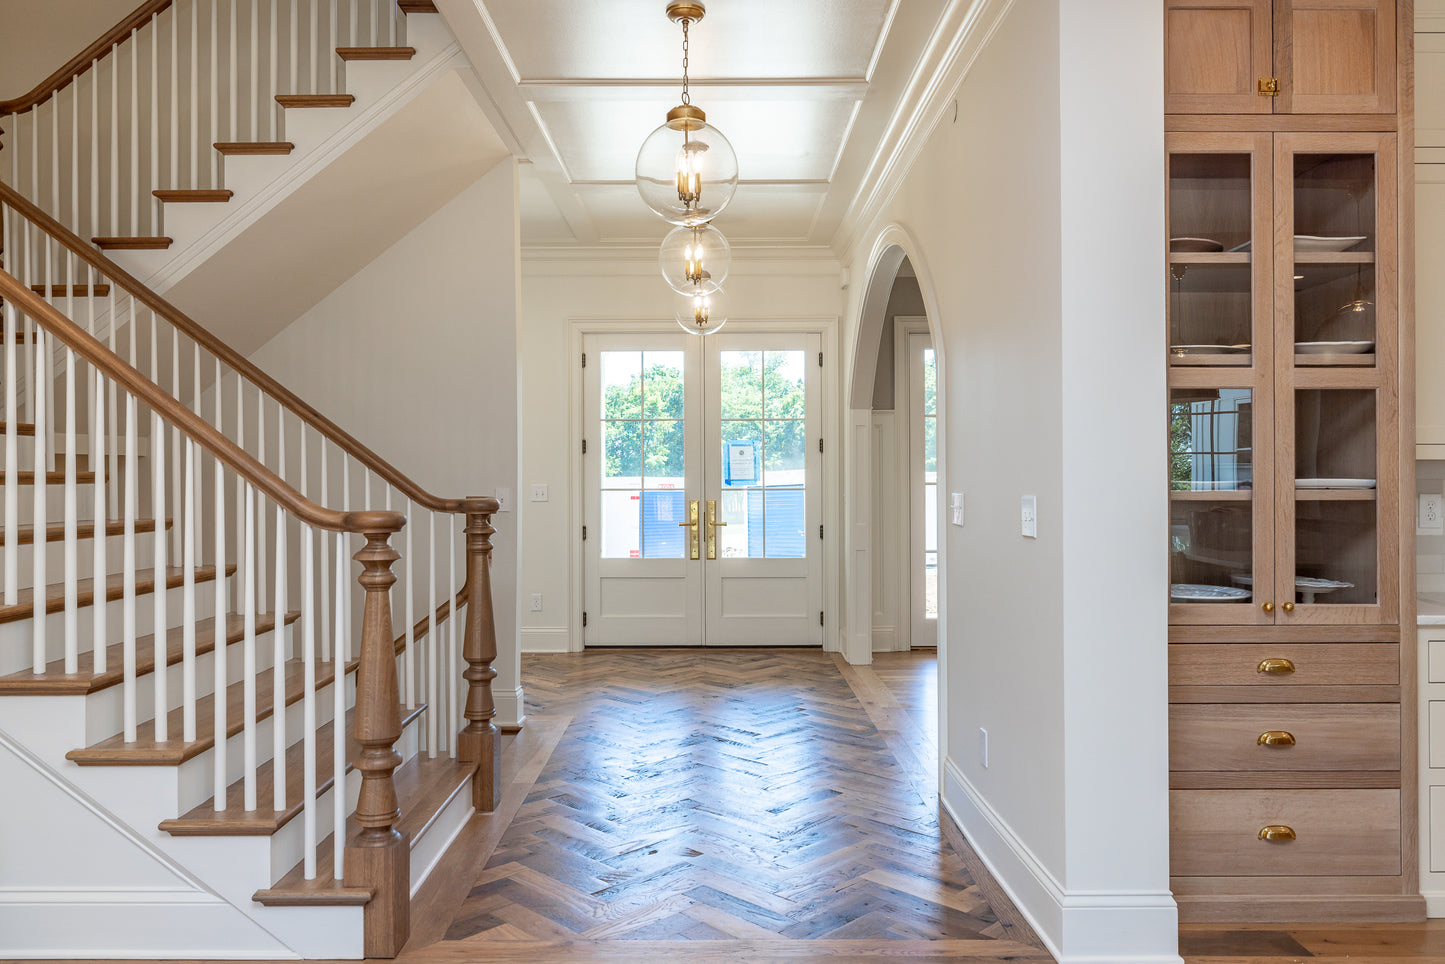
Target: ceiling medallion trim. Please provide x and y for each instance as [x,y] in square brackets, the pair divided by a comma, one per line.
[678,12]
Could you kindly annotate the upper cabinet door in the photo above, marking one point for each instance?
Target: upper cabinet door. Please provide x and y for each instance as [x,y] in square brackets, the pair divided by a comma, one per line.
[1335,56]
[1215,54]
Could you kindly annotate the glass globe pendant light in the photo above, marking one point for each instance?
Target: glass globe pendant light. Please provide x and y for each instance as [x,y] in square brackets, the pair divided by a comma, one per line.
[701,312]
[695,259]
[687,172]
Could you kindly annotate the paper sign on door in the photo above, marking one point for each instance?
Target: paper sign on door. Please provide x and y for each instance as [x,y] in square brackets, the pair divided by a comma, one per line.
[742,464]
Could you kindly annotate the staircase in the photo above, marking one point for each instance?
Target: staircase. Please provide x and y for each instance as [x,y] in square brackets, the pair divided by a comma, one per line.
[220,738]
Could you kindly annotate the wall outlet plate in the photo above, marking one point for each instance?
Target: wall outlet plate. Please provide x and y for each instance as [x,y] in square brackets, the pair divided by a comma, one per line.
[1430,514]
[536,602]
[1029,516]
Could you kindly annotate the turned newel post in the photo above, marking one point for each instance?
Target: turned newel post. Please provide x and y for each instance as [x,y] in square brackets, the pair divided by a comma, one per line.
[478,742]
[379,855]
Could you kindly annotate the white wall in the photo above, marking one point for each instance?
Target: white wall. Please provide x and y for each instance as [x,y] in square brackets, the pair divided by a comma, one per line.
[414,356]
[38,36]
[556,292]
[1033,222]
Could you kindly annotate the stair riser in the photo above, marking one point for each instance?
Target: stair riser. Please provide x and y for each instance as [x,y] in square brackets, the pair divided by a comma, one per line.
[195,779]
[15,637]
[85,557]
[104,710]
[54,503]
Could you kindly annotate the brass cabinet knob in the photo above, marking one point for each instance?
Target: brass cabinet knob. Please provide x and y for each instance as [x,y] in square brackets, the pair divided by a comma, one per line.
[1287,607]
[1268,607]
[1275,666]
[1275,738]
[1276,832]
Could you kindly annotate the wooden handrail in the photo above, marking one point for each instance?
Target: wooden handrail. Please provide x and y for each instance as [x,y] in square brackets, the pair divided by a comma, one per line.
[81,62]
[192,329]
[192,425]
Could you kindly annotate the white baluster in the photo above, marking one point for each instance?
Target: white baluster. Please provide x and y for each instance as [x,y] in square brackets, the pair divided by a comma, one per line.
[98,567]
[255,70]
[175,437]
[134,139]
[93,228]
[308,706]
[188,602]
[325,566]
[261,520]
[38,504]
[173,169]
[112,418]
[410,659]
[223,629]
[213,73]
[114,183]
[453,655]
[338,702]
[432,653]
[12,457]
[271,106]
[279,620]
[159,609]
[248,674]
[195,101]
[72,525]
[128,572]
[155,126]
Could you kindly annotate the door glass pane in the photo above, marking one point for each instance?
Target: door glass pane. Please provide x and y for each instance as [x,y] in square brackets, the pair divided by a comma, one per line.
[930,585]
[1334,314]
[1334,204]
[930,486]
[643,463]
[1211,515]
[764,454]
[930,383]
[1210,287]
[1334,272]
[1336,507]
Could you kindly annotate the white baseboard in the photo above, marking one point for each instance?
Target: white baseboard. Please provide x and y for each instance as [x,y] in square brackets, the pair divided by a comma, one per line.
[1434,902]
[885,639]
[1077,928]
[511,707]
[546,639]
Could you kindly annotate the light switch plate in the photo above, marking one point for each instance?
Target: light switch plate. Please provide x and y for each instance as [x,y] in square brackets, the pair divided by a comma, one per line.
[1029,516]
[539,492]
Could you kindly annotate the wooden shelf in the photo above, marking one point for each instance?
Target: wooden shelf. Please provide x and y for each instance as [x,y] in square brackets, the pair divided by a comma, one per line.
[1335,495]
[1334,257]
[1335,361]
[1209,257]
[1210,495]
[1214,361]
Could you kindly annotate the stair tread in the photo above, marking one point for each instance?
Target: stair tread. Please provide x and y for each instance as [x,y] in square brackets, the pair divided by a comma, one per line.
[235,820]
[72,291]
[423,786]
[194,195]
[145,583]
[315,100]
[51,478]
[55,681]
[21,428]
[131,244]
[84,530]
[376,53]
[417,6]
[254,147]
[148,751]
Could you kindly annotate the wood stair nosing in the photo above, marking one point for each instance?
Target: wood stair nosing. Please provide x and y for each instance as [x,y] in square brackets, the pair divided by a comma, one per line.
[236,821]
[423,788]
[147,751]
[376,53]
[243,148]
[56,682]
[51,478]
[194,195]
[417,6]
[315,100]
[132,244]
[21,428]
[84,530]
[145,583]
[72,291]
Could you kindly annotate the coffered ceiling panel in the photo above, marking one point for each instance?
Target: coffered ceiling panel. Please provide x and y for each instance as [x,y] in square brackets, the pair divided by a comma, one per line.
[761,212]
[750,39]
[777,139]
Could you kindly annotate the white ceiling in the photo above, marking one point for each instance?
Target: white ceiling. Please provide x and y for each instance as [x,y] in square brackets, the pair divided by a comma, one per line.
[804,89]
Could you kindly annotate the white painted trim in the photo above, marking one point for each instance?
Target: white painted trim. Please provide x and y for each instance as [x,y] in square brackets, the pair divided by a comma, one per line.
[435,839]
[12,896]
[546,639]
[511,707]
[905,523]
[1096,927]
[1434,902]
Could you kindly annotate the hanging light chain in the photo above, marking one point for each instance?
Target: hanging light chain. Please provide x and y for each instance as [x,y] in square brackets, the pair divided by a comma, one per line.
[685,98]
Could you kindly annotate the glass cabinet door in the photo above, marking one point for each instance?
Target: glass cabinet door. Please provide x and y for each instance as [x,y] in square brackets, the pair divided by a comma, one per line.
[1220,351]
[1335,383]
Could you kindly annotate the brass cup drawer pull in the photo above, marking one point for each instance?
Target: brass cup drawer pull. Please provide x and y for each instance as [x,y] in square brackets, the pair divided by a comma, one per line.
[1275,738]
[1276,832]
[1277,666]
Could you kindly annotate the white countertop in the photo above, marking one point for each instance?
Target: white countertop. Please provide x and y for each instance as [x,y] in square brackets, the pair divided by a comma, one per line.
[1431,610]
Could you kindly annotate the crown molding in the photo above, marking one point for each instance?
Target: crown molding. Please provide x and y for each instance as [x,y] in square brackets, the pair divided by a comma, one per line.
[641,260]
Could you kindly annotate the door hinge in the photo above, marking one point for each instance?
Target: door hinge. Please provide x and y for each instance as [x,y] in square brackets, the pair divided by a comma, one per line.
[820,530]
[584,446]
[820,445]
[820,359]
[584,617]
[584,533]
[584,359]
[820,617]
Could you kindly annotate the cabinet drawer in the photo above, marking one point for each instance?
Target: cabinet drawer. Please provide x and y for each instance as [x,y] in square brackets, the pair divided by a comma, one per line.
[1215,833]
[1315,664]
[1327,736]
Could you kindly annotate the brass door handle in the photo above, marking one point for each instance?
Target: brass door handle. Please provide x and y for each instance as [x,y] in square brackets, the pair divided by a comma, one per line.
[1269,86]
[1275,666]
[1268,607]
[1275,738]
[712,526]
[1276,832]
[1287,607]
[693,536]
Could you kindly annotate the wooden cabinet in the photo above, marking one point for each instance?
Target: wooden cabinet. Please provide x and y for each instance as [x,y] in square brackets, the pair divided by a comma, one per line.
[1288,341]
[1281,57]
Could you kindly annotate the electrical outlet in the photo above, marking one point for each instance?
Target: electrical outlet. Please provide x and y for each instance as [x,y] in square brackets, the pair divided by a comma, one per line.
[983,747]
[1429,515]
[955,508]
[1029,516]
[536,602]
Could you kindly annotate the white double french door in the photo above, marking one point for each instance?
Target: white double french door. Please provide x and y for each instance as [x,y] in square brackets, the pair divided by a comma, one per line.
[702,468]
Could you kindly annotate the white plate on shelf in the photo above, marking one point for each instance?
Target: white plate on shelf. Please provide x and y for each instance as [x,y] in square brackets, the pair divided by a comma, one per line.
[1307,583]
[1194,245]
[1333,347]
[1193,592]
[1334,483]
[1314,244]
[1209,349]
